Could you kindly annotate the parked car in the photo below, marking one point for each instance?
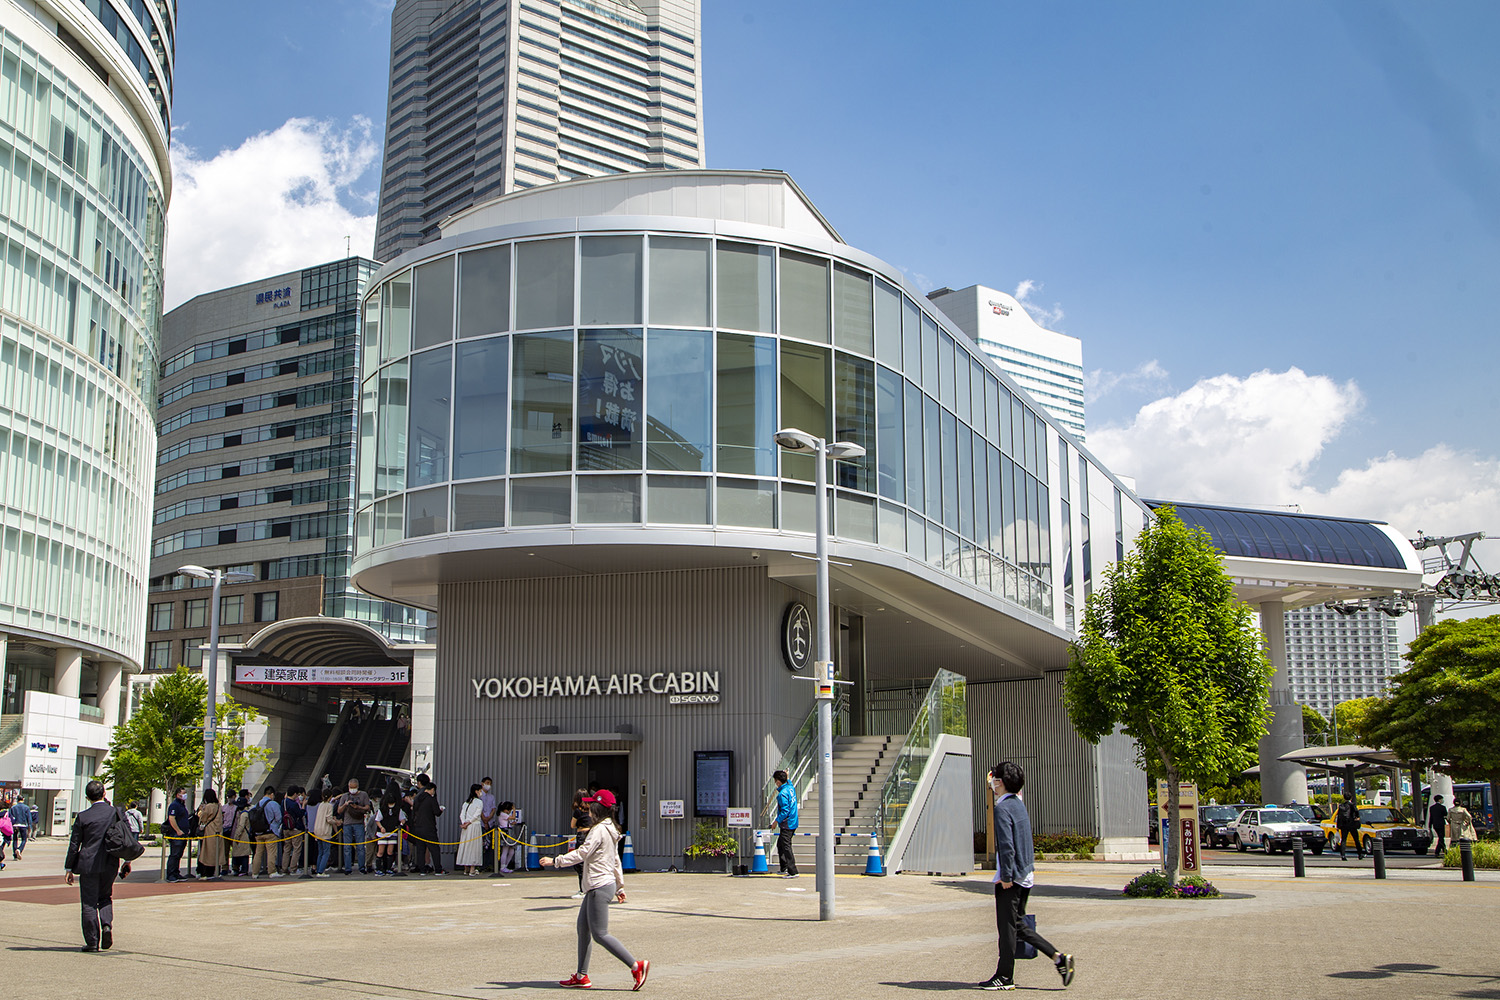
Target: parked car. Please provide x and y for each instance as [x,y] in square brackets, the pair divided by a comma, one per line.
[1311,813]
[1216,824]
[1387,823]
[1275,830]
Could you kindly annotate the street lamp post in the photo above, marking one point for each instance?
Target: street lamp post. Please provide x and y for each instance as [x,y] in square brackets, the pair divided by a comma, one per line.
[211,672]
[793,439]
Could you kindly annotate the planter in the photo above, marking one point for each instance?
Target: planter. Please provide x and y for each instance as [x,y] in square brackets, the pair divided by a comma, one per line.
[707,865]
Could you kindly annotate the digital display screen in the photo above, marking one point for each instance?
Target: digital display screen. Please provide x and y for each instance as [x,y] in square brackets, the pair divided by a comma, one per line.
[711,782]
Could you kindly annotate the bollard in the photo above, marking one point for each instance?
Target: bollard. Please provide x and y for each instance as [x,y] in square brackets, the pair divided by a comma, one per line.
[627,858]
[1299,863]
[758,861]
[400,851]
[496,872]
[1379,856]
[533,855]
[1466,858]
[873,864]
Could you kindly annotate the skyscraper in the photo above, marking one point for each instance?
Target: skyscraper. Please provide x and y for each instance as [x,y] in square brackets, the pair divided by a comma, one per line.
[1048,365]
[490,96]
[85,120]
[1332,657]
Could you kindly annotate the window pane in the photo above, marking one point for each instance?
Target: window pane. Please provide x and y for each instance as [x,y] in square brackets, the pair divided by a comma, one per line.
[976,394]
[911,340]
[981,491]
[747,404]
[482,386]
[368,397]
[479,505]
[890,435]
[388,521]
[609,286]
[804,401]
[545,500]
[679,281]
[854,420]
[427,512]
[915,448]
[992,408]
[544,284]
[965,481]
[747,298]
[797,508]
[609,399]
[677,499]
[933,446]
[427,440]
[390,443]
[370,335]
[1017,430]
[747,503]
[945,370]
[679,398]
[892,527]
[950,469]
[804,296]
[916,537]
[856,518]
[541,437]
[929,355]
[484,291]
[196,613]
[395,324]
[1008,509]
[854,310]
[997,515]
[609,499]
[887,324]
[432,314]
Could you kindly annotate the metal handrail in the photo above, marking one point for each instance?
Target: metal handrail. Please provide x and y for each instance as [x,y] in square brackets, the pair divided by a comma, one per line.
[946,701]
[801,754]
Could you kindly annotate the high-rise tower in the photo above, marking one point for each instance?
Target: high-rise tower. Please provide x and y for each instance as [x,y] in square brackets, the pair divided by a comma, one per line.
[490,96]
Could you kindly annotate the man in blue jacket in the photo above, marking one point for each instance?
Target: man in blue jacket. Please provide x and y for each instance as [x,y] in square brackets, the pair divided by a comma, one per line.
[786,818]
[1013,880]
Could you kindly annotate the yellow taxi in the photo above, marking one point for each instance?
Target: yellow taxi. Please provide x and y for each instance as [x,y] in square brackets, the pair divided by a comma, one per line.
[1386,823]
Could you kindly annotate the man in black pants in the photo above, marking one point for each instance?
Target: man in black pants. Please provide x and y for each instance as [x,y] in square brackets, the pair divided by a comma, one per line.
[1437,821]
[95,869]
[1013,879]
[786,818]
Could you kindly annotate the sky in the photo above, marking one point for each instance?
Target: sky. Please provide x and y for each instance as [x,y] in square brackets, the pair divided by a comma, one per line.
[1275,225]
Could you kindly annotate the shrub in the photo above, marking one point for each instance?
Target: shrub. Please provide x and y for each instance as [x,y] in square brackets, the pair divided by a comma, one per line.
[1066,842]
[710,840]
[1155,884]
[1486,855]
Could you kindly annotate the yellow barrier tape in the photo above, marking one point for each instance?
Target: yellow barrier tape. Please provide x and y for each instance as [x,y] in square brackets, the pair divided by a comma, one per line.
[522,843]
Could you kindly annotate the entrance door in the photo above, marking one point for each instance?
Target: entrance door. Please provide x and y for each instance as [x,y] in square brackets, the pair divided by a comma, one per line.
[603,770]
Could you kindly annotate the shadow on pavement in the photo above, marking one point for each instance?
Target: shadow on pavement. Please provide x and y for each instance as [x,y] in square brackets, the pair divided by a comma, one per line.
[43,947]
[550,984]
[1396,969]
[944,984]
[1046,891]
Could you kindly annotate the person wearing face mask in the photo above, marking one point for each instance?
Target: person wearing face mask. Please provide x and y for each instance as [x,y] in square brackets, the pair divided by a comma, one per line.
[487,820]
[176,832]
[352,809]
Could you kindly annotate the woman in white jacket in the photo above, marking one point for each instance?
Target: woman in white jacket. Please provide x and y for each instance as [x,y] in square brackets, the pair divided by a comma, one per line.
[471,832]
[602,878]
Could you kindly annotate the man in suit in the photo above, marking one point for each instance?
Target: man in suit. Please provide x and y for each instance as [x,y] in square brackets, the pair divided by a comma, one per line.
[95,869]
[1013,880]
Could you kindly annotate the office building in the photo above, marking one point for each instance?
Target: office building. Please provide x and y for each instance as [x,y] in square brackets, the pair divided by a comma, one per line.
[255,465]
[492,96]
[1334,657]
[1048,365]
[85,106]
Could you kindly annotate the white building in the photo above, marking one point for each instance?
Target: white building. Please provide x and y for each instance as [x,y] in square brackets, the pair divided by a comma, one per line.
[1333,657]
[1046,364]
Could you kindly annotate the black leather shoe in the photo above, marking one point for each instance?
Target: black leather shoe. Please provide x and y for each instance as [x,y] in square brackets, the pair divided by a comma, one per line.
[89,947]
[106,937]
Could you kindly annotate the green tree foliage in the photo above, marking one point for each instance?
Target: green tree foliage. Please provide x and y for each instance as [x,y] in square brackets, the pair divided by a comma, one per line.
[1313,723]
[161,746]
[1353,718]
[1170,655]
[231,756]
[1445,708]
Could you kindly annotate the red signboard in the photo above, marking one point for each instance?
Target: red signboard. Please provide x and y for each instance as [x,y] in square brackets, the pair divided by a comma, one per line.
[1189,844]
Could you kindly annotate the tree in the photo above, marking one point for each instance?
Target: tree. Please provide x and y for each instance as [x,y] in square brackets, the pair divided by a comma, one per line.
[1313,723]
[1353,719]
[161,746]
[1443,709]
[1170,655]
[231,756]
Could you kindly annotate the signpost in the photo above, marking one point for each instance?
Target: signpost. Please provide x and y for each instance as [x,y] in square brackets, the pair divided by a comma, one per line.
[1187,798]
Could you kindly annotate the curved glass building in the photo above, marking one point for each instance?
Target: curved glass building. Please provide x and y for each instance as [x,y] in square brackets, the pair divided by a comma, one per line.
[568,410]
[85,103]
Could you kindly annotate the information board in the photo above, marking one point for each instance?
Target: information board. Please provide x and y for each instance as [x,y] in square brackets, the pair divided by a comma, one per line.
[738,817]
[712,784]
[670,808]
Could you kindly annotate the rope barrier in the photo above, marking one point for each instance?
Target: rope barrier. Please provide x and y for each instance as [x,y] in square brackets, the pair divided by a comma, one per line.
[545,847]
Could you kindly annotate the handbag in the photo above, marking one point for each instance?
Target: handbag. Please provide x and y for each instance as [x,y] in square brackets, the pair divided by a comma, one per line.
[120,841]
[1024,948]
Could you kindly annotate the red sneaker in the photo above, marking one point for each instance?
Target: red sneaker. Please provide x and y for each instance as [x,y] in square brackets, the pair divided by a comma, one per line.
[578,981]
[639,970]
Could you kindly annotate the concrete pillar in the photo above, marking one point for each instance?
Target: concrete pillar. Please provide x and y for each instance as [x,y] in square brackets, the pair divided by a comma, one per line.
[423,708]
[1280,782]
[111,673]
[67,672]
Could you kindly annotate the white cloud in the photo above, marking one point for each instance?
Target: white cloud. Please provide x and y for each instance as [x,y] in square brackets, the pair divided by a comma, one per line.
[1148,376]
[272,204]
[1254,441]
[1043,315]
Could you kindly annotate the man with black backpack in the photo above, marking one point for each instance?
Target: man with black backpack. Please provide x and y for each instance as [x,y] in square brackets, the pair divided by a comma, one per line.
[90,859]
[265,827]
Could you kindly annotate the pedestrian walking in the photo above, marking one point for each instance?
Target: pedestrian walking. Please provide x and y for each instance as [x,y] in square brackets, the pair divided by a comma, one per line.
[471,831]
[95,869]
[786,820]
[579,823]
[1347,822]
[20,822]
[211,823]
[1014,874]
[1461,824]
[176,831]
[599,859]
[1437,821]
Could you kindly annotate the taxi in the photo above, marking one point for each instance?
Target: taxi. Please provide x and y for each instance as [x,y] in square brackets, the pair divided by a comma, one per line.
[1274,829]
[1385,823]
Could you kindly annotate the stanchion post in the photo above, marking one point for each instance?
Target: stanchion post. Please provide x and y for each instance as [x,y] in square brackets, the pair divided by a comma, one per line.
[1379,855]
[1466,858]
[162,840]
[496,838]
[400,851]
[1299,863]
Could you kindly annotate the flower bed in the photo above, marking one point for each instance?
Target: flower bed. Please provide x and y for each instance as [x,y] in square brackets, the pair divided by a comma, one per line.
[1156,885]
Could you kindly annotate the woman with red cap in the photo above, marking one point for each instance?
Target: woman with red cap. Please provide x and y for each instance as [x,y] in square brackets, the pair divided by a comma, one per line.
[602,878]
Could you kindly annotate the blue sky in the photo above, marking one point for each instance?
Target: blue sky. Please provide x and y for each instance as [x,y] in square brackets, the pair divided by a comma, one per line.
[1274,225]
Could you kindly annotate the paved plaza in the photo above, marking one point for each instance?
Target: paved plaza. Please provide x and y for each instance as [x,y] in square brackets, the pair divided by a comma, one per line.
[1337,933]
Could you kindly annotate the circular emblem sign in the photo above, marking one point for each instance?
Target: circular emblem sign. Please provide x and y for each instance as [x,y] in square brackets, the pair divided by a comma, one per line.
[796,636]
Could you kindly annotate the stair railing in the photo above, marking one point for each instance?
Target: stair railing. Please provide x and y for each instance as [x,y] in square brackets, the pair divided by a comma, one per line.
[802,753]
[944,709]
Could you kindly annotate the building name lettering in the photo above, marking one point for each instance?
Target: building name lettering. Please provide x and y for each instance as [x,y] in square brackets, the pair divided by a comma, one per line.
[686,682]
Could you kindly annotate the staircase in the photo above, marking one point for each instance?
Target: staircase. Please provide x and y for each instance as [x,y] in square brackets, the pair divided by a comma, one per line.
[860,767]
[298,770]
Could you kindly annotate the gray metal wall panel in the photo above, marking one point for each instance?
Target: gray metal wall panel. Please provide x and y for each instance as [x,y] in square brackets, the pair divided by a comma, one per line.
[719,619]
[944,839]
[1122,789]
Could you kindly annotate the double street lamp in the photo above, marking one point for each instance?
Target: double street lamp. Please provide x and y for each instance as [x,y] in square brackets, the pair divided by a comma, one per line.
[793,439]
[211,671]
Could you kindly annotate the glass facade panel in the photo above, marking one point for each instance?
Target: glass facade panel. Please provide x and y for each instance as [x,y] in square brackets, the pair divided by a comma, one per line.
[798,509]
[610,394]
[609,499]
[427,512]
[911,340]
[195,613]
[427,438]
[916,481]
[679,398]
[950,469]
[892,527]
[541,438]
[933,448]
[677,499]
[804,297]
[747,404]
[947,365]
[854,310]
[541,500]
[370,335]
[544,284]
[679,281]
[981,491]
[388,521]
[804,401]
[929,355]
[992,408]
[747,287]
[996,494]
[1006,413]
[976,395]
[609,285]
[916,537]
[887,324]
[965,481]
[390,442]
[479,505]
[432,314]
[484,291]
[855,518]
[747,503]
[481,394]
[395,322]
[854,420]
[890,435]
[368,400]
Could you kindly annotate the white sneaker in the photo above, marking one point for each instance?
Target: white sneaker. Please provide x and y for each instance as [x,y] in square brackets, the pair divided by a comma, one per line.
[278,874]
[578,895]
[323,875]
